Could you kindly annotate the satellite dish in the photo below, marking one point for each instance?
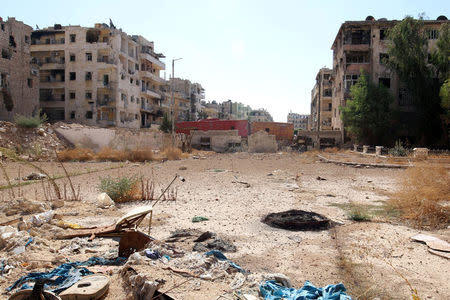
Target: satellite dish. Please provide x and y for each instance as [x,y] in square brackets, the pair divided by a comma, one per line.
[442,18]
[370,18]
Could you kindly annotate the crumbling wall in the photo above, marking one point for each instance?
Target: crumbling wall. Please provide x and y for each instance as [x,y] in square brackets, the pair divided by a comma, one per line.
[261,141]
[96,138]
[219,140]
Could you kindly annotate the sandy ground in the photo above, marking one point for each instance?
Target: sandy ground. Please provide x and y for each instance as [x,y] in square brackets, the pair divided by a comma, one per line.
[372,259]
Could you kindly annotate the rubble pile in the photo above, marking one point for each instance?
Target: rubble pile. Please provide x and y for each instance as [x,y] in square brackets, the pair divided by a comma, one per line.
[37,144]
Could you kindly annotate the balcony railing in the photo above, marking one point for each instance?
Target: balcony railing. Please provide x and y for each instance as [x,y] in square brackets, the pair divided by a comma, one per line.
[104,102]
[48,42]
[106,60]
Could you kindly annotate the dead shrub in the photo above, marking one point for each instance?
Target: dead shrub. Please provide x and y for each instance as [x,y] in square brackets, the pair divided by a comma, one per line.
[331,150]
[109,154]
[140,155]
[424,195]
[77,154]
[172,153]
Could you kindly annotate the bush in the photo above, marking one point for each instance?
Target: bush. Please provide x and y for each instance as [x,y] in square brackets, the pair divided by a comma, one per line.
[398,149]
[172,153]
[359,213]
[423,196]
[108,154]
[140,155]
[166,125]
[121,189]
[77,154]
[30,122]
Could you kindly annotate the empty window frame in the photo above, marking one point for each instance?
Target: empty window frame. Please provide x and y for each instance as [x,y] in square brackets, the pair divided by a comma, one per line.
[404,97]
[72,114]
[350,80]
[89,114]
[383,32]
[73,38]
[383,58]
[386,82]
[72,95]
[72,75]
[356,57]
[72,57]
[88,95]
[30,82]
[327,93]
[88,56]
[88,76]
[432,34]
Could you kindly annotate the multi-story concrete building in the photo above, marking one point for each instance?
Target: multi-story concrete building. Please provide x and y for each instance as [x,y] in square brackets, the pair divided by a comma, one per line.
[321,101]
[362,45]
[98,76]
[188,98]
[211,109]
[19,84]
[260,115]
[300,121]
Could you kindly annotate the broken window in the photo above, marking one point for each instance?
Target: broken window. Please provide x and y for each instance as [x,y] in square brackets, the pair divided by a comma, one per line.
[88,95]
[73,38]
[325,77]
[89,114]
[72,114]
[357,37]
[88,76]
[92,35]
[350,80]
[3,82]
[72,57]
[89,56]
[383,34]
[386,82]
[72,95]
[27,39]
[432,34]
[123,97]
[357,57]
[383,58]
[12,42]
[329,106]
[132,98]
[3,27]
[105,39]
[30,82]
[72,75]
[6,54]
[327,92]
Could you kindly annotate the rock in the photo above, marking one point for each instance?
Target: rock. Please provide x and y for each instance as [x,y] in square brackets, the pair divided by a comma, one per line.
[35,176]
[57,204]
[24,157]
[182,168]
[23,206]
[104,201]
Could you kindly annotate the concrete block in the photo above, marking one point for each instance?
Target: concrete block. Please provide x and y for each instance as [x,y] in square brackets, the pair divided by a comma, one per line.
[355,147]
[378,150]
[420,152]
[365,148]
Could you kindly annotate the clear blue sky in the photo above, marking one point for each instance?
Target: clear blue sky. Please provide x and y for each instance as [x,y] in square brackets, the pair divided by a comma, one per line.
[263,53]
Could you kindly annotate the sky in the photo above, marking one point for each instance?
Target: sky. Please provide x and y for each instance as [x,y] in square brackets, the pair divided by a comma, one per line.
[262,53]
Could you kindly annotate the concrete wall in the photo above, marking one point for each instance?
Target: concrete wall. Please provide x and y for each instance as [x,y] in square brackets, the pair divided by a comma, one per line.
[261,141]
[220,140]
[117,138]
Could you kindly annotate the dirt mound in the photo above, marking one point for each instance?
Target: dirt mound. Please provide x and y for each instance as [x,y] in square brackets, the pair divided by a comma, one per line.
[31,143]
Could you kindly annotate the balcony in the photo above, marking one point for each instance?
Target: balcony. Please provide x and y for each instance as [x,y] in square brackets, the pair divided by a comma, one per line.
[151,93]
[107,85]
[52,83]
[106,60]
[150,56]
[151,76]
[105,102]
[147,107]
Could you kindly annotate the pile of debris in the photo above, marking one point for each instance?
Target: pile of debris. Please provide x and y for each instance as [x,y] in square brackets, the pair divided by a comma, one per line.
[31,143]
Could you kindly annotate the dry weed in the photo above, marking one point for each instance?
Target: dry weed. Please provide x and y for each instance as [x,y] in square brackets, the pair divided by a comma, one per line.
[77,154]
[424,195]
[109,154]
[331,150]
[172,153]
[140,155]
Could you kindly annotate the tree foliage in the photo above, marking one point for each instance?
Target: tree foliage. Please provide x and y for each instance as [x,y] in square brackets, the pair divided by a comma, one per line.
[166,125]
[367,114]
[409,58]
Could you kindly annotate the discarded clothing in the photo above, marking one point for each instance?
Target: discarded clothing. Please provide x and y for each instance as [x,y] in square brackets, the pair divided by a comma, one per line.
[270,290]
[152,254]
[220,256]
[199,219]
[67,274]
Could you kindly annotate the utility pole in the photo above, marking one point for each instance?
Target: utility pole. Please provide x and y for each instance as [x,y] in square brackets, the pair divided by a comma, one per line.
[172,113]
[318,110]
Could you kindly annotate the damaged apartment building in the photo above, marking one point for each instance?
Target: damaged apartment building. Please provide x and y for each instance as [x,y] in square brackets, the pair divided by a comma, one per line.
[19,92]
[187,98]
[321,102]
[362,45]
[98,76]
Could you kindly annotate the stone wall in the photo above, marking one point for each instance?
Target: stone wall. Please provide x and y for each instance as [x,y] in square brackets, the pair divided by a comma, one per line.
[261,141]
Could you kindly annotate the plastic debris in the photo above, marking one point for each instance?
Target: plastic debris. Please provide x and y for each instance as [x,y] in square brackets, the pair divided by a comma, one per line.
[199,219]
[270,290]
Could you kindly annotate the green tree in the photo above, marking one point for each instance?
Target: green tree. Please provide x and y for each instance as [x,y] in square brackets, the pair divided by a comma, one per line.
[445,103]
[367,114]
[408,57]
[166,125]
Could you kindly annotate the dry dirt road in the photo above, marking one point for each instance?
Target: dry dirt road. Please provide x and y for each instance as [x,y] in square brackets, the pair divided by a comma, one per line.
[372,259]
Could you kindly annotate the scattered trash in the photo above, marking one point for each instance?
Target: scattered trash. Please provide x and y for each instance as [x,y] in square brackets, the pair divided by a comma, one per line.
[36,293]
[45,217]
[64,224]
[142,288]
[22,206]
[12,240]
[104,201]
[216,244]
[152,254]
[238,281]
[435,245]
[220,256]
[247,185]
[199,219]
[89,287]
[297,220]
[320,178]
[280,279]
[35,176]
[66,274]
[270,290]
[182,168]
[205,236]
[330,195]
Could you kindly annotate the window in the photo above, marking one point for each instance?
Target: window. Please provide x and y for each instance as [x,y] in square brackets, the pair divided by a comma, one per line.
[123,97]
[72,76]
[12,42]
[3,27]
[136,116]
[105,39]
[30,82]
[88,76]
[404,97]
[72,95]
[63,97]
[329,106]
[89,56]
[267,130]
[89,114]
[350,80]
[357,57]
[327,92]
[6,54]
[72,114]
[357,37]
[73,38]
[386,82]
[88,95]
[105,79]
[131,80]
[72,57]
[27,39]
[432,34]
[3,82]
[383,58]
[325,77]
[132,99]
[382,34]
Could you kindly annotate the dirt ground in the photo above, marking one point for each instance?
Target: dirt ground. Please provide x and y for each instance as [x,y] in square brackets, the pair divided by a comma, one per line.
[372,259]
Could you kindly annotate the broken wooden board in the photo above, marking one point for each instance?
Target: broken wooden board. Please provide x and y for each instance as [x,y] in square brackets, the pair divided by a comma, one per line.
[432,242]
[439,253]
[89,287]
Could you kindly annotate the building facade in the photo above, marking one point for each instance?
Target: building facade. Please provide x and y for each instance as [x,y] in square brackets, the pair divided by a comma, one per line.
[300,121]
[260,115]
[188,97]
[98,76]
[19,81]
[321,101]
[362,45]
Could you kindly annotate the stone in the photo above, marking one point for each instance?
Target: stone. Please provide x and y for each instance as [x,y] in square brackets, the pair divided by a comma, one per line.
[365,148]
[104,201]
[378,150]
